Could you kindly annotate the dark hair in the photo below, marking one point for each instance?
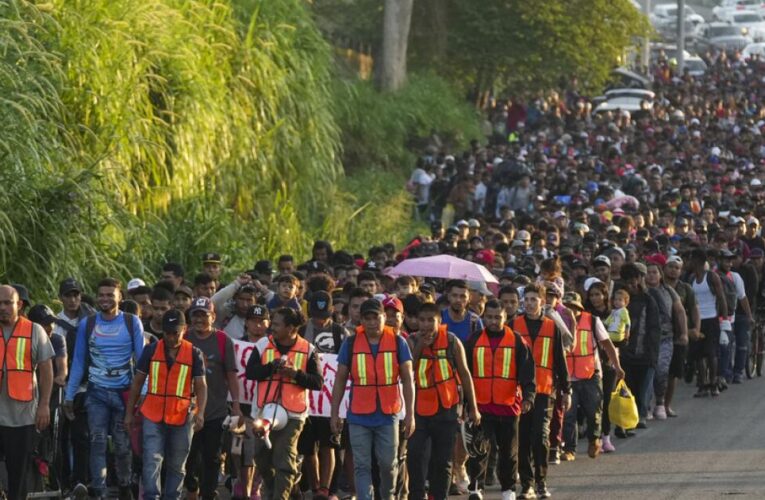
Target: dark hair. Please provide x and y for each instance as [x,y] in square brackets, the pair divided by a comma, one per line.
[366,276]
[291,317]
[508,289]
[167,285]
[359,292]
[291,278]
[606,300]
[412,303]
[130,306]
[286,258]
[430,309]
[203,279]
[494,304]
[161,294]
[110,282]
[174,268]
[320,282]
[405,280]
[535,288]
[321,244]
[455,284]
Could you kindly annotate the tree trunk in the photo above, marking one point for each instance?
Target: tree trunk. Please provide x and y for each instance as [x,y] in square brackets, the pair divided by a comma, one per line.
[396,22]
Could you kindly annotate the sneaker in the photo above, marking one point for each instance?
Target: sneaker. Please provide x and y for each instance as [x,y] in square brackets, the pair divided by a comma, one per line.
[703,392]
[80,492]
[723,384]
[671,413]
[510,495]
[737,379]
[608,447]
[595,448]
[526,492]
[542,491]
[554,457]
[641,424]
[660,412]
[649,416]
[453,490]
[568,456]
[462,486]
[491,478]
[321,494]
[476,495]
[715,391]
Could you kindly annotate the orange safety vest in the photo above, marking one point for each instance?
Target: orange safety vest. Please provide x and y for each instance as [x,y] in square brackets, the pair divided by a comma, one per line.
[375,377]
[495,374]
[581,359]
[294,398]
[542,350]
[436,388]
[169,396]
[16,354]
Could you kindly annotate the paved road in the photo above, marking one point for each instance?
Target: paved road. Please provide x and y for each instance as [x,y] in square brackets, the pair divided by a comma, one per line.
[715,449]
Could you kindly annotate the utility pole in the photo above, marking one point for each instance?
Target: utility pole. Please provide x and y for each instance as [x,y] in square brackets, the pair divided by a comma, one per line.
[647,40]
[680,36]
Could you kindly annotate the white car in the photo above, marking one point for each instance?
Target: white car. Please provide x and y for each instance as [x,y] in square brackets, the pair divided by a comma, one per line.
[754,49]
[727,7]
[666,14]
[750,21]
[624,99]
[695,66]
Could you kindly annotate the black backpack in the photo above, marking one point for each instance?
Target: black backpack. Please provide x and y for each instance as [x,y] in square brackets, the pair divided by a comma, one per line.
[729,290]
[90,325]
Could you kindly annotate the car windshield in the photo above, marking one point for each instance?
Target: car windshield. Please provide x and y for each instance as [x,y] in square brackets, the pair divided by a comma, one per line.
[747,18]
[723,31]
[695,65]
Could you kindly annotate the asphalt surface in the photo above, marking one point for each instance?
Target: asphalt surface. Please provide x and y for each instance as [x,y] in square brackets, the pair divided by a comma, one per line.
[714,449]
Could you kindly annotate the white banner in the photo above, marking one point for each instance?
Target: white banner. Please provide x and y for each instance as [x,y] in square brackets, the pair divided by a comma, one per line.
[320,401]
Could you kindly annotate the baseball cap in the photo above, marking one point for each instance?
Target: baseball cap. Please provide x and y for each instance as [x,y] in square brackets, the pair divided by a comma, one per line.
[756,253]
[211,257]
[173,321]
[752,221]
[474,223]
[462,222]
[601,259]
[41,314]
[726,254]
[641,268]
[436,225]
[392,302]
[573,299]
[658,259]
[553,289]
[264,267]
[480,287]
[372,306]
[517,244]
[22,291]
[523,235]
[69,285]
[258,311]
[320,305]
[560,214]
[201,304]
[675,259]
[755,183]
[138,286]
[589,282]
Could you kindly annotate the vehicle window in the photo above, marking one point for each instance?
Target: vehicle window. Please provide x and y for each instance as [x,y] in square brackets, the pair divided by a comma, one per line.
[747,18]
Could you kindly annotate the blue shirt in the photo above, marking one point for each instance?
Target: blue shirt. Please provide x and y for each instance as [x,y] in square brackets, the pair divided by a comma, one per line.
[464,329]
[112,353]
[377,418]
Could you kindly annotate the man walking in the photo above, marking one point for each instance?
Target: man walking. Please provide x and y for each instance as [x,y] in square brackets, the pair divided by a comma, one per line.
[107,345]
[545,340]
[25,350]
[286,367]
[376,360]
[175,371]
[502,369]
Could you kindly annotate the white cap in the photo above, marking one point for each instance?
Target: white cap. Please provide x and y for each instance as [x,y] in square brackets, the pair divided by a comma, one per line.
[474,223]
[135,283]
[675,259]
[462,222]
[523,235]
[715,151]
[755,183]
[601,258]
[590,281]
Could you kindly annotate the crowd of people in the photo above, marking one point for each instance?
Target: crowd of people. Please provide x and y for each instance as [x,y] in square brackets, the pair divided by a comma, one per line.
[625,246]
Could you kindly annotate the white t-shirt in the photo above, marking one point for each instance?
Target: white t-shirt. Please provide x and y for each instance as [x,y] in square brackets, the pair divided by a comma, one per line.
[740,291]
[423,180]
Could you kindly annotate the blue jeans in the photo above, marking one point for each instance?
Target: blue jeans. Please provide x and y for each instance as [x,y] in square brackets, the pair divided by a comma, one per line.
[384,438]
[169,444]
[741,330]
[106,414]
[724,369]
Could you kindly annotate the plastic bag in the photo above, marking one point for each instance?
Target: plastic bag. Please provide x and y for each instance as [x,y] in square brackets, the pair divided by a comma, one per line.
[622,410]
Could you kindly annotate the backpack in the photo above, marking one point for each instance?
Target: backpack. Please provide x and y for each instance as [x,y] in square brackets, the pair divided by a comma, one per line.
[90,325]
[729,291]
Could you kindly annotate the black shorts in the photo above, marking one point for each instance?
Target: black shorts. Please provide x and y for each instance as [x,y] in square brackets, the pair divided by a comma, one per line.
[677,365]
[316,431]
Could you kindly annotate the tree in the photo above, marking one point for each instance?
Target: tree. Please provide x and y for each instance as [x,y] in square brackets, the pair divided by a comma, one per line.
[397,18]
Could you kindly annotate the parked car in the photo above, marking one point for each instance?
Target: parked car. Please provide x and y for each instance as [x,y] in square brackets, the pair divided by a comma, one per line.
[665,14]
[721,36]
[695,66]
[624,99]
[727,7]
[626,78]
[751,23]
[754,49]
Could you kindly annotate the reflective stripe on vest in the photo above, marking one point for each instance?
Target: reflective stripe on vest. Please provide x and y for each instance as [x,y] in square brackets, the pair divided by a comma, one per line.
[542,350]
[168,398]
[436,384]
[581,359]
[16,354]
[375,377]
[494,370]
[284,390]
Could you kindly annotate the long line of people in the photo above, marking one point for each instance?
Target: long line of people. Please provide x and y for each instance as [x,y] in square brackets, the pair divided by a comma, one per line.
[626,246]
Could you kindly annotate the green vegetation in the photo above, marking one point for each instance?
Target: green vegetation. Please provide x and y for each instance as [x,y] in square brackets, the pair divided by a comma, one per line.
[141,131]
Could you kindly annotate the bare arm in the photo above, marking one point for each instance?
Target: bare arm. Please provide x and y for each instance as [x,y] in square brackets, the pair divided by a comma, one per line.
[135,391]
[466,380]
[746,307]
[233,389]
[681,322]
[61,370]
[407,383]
[338,391]
[722,304]
[45,373]
[200,391]
[613,358]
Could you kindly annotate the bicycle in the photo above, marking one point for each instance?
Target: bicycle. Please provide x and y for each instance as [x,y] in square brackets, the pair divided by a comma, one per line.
[757,346]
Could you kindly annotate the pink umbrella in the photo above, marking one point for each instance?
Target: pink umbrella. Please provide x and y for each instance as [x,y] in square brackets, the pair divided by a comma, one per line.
[443,266]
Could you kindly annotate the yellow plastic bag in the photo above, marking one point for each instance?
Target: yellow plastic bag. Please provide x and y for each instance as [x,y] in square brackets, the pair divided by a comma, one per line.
[622,410]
